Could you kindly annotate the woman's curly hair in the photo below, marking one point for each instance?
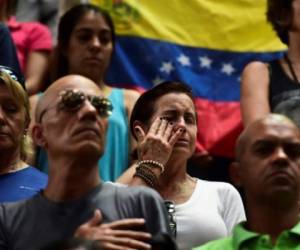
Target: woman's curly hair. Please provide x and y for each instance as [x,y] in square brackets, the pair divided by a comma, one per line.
[280,15]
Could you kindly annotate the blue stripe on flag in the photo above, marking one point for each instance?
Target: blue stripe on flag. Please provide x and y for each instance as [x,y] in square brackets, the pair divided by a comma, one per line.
[212,74]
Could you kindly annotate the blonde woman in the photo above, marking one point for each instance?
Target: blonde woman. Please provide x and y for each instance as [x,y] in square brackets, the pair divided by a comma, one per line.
[18,180]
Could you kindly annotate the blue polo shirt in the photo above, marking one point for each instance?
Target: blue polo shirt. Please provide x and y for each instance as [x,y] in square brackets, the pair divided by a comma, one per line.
[21,184]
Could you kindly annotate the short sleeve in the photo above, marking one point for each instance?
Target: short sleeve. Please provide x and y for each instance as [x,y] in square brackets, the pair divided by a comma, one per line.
[39,37]
[233,211]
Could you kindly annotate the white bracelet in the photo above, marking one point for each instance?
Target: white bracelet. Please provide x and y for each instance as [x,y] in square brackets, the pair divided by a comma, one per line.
[153,163]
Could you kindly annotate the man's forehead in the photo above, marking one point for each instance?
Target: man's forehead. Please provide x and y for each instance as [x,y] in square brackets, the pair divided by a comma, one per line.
[271,126]
[80,83]
[84,86]
[271,130]
[85,90]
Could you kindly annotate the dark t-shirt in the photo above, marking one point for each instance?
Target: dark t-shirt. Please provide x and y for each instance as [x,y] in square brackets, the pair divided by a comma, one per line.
[33,223]
[284,93]
[8,54]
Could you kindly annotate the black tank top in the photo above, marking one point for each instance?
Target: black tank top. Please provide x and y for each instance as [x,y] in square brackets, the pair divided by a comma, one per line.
[284,93]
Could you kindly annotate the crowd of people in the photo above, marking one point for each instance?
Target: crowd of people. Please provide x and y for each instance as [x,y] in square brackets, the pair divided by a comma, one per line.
[84,165]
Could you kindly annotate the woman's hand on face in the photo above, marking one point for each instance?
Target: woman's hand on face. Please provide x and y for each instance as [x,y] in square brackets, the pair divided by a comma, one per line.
[157,144]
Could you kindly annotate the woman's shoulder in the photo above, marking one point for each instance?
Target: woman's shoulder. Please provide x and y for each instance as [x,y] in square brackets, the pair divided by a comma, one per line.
[131,94]
[255,69]
[130,98]
[218,186]
[256,65]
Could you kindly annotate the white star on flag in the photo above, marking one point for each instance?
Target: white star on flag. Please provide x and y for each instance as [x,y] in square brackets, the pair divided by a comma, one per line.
[184,60]
[157,80]
[205,62]
[166,67]
[227,69]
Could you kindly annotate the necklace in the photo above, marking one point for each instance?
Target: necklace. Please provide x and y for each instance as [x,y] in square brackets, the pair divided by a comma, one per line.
[289,63]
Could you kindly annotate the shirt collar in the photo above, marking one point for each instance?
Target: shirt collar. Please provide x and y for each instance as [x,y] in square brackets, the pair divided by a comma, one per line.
[241,234]
[296,229]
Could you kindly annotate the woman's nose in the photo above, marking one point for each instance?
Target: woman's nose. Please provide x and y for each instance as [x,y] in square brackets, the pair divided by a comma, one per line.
[96,43]
[181,124]
[181,121]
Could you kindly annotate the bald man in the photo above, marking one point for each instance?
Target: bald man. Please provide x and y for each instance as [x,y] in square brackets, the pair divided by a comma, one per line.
[268,167]
[71,121]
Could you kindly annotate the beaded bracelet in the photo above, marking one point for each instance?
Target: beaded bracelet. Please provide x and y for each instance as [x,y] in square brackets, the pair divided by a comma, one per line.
[146,170]
[153,163]
[145,173]
[147,180]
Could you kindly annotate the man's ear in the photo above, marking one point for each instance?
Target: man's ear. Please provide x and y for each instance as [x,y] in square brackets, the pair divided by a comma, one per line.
[38,135]
[235,173]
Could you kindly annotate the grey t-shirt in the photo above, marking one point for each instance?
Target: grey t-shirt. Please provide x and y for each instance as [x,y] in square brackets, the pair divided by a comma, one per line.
[33,223]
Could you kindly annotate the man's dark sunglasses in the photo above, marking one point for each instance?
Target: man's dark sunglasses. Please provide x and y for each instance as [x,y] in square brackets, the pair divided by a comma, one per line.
[72,100]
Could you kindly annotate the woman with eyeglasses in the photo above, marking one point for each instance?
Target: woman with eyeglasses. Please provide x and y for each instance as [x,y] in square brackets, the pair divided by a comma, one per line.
[86,40]
[18,180]
[164,122]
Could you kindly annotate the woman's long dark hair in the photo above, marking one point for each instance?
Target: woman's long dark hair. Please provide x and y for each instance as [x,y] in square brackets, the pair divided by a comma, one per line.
[59,65]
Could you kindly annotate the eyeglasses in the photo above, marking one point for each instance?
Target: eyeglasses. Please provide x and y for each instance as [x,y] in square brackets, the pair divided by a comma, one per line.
[72,100]
[13,74]
[172,218]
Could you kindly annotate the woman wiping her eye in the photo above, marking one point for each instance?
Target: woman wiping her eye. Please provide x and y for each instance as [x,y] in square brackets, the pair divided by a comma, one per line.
[164,121]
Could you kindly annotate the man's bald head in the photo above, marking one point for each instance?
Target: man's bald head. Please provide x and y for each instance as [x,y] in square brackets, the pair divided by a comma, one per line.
[72,119]
[69,81]
[268,163]
[269,120]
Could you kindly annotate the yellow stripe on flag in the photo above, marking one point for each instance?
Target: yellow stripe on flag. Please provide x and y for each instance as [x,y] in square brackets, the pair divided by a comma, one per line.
[233,25]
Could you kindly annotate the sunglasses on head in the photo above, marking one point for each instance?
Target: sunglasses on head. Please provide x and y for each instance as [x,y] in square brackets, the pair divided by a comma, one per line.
[13,74]
[72,100]
[170,206]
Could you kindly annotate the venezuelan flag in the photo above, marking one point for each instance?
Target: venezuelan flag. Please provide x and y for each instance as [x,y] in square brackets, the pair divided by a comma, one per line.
[204,43]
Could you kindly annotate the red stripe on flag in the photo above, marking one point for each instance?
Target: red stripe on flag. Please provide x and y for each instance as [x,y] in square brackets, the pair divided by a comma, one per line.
[219,125]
